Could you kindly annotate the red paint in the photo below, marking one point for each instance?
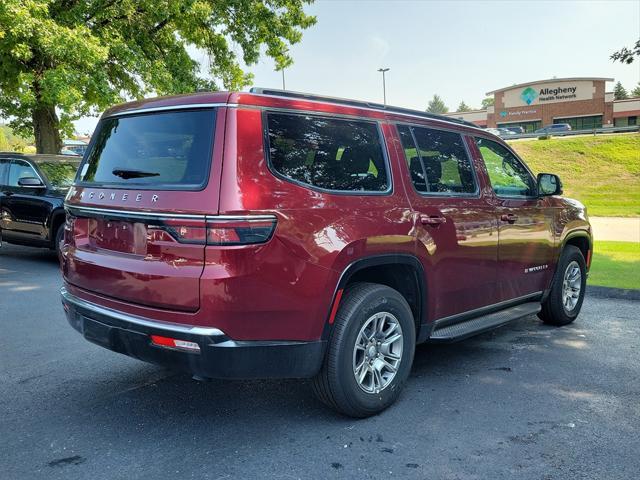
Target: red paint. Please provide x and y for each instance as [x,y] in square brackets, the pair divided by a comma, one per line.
[336,304]
[283,289]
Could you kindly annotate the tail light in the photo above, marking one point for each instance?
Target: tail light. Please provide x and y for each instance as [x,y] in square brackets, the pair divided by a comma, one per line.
[220,231]
[175,343]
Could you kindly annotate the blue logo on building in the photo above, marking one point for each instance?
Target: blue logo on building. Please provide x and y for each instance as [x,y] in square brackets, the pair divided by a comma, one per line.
[528,95]
[503,113]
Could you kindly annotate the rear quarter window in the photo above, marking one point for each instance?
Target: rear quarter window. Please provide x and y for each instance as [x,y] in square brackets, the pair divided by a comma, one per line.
[336,154]
[160,149]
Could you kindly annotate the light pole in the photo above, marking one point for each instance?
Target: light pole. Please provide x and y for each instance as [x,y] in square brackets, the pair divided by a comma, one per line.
[283,84]
[384,86]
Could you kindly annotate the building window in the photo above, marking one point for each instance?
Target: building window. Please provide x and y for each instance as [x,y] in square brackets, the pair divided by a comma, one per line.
[529,127]
[625,121]
[582,123]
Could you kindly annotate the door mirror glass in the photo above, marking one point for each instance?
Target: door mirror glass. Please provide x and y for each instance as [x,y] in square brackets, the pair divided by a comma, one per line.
[30,182]
[549,184]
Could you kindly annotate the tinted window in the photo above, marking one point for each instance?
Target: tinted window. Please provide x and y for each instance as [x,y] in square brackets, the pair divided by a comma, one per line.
[509,177]
[329,153]
[440,163]
[19,170]
[159,149]
[60,175]
[413,159]
[4,170]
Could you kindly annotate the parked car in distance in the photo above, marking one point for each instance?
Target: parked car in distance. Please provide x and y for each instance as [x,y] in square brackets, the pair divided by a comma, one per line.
[32,191]
[505,132]
[554,128]
[515,130]
[493,131]
[278,234]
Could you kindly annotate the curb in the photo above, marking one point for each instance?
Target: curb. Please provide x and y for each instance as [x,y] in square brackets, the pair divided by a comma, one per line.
[608,292]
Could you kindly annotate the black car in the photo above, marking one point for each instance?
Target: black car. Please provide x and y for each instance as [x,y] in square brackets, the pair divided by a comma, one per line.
[32,192]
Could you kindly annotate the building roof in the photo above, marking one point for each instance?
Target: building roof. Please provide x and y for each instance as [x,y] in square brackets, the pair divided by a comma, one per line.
[570,79]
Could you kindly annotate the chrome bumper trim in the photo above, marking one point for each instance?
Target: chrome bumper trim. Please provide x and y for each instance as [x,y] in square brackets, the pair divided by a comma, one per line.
[133,319]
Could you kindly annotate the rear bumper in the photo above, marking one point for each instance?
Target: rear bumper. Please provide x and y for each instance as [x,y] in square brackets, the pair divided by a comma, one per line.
[219,356]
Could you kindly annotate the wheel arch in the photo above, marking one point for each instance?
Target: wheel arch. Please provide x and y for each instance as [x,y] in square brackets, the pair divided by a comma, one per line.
[583,241]
[392,270]
[57,218]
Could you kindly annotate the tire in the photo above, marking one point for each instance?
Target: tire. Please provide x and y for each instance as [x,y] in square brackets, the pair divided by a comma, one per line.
[555,311]
[58,238]
[336,385]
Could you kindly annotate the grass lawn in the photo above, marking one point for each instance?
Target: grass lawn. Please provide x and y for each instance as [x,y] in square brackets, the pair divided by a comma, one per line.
[615,264]
[603,171]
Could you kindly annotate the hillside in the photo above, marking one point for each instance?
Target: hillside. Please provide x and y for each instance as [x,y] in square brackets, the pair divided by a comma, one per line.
[603,172]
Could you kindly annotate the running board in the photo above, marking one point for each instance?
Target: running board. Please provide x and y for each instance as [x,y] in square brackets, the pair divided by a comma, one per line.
[474,326]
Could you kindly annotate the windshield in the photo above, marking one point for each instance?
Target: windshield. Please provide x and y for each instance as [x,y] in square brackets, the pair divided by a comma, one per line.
[60,175]
[171,149]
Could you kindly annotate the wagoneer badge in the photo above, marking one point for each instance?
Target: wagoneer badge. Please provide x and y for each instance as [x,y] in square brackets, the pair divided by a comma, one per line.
[113,196]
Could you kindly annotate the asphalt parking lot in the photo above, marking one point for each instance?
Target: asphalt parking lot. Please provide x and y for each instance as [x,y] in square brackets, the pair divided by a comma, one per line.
[525,401]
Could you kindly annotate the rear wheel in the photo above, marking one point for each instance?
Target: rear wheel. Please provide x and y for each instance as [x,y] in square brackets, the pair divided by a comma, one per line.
[370,351]
[564,302]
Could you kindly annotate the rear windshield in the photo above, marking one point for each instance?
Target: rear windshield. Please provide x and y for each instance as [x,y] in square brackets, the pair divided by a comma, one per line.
[168,149]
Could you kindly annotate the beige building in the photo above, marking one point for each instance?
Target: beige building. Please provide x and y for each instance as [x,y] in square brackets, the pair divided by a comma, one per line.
[581,102]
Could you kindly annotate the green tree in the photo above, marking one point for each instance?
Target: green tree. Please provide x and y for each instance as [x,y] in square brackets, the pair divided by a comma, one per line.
[487,102]
[627,55]
[619,92]
[463,107]
[63,59]
[4,143]
[636,91]
[436,105]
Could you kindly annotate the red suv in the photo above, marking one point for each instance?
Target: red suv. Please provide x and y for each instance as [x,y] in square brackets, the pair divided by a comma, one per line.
[276,234]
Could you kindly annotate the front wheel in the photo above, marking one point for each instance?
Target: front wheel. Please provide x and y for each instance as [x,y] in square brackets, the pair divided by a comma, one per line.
[564,302]
[370,351]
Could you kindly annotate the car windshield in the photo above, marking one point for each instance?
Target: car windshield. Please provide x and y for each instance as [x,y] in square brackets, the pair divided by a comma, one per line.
[59,174]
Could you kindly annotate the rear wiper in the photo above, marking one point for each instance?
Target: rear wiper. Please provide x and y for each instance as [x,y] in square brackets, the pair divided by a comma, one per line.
[127,174]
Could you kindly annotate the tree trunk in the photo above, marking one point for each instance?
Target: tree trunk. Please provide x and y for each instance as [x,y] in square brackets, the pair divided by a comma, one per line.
[46,128]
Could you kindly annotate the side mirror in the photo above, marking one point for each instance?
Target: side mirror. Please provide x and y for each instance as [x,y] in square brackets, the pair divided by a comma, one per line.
[30,182]
[549,184]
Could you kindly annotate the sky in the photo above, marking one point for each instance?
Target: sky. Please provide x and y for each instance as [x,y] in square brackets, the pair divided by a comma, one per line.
[457,49]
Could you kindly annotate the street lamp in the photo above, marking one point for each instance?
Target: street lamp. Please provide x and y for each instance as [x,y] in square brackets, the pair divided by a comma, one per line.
[384,86]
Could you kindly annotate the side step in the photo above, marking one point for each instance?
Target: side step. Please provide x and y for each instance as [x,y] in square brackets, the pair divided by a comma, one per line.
[461,330]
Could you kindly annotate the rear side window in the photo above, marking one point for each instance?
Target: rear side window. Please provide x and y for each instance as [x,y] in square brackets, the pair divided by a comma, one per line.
[328,153]
[167,149]
[437,160]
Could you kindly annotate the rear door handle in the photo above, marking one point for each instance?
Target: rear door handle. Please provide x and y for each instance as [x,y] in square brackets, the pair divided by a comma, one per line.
[509,217]
[434,221]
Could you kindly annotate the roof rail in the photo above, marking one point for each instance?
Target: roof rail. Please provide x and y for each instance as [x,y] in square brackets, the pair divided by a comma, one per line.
[357,103]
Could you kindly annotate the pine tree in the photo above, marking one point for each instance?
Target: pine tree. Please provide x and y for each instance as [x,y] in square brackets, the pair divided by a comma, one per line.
[436,105]
[636,91]
[619,92]
[463,107]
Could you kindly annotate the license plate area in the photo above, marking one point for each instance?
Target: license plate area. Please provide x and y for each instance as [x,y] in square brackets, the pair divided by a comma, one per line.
[117,235]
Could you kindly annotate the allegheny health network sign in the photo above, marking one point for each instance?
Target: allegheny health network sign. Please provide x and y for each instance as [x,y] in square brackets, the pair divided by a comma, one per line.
[549,92]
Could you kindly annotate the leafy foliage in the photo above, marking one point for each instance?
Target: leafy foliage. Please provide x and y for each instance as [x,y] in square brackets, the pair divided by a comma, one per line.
[62,59]
[436,105]
[627,55]
[636,91]
[619,92]
[487,102]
